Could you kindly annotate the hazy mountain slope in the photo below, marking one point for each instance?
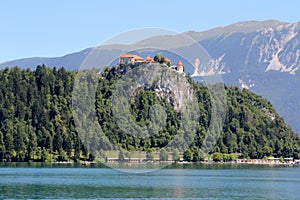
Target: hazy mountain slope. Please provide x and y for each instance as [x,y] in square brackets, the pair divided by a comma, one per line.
[259,51]
[69,61]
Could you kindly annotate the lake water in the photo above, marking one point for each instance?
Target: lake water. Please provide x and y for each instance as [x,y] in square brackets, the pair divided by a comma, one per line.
[42,181]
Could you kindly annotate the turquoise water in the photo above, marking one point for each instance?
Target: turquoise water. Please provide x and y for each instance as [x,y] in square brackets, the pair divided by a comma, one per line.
[22,181]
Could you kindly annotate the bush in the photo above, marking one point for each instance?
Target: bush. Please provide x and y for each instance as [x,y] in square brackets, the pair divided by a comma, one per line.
[217,157]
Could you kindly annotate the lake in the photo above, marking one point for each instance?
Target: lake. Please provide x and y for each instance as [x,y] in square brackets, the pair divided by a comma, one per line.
[218,181]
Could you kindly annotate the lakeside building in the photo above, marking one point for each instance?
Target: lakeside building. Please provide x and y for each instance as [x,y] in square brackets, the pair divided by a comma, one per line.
[208,160]
[135,160]
[274,160]
[289,160]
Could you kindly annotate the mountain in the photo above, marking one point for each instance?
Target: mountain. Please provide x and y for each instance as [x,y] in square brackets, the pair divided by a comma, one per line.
[265,61]
[262,56]
[69,61]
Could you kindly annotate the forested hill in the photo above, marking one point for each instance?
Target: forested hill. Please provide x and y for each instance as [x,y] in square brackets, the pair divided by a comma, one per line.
[36,121]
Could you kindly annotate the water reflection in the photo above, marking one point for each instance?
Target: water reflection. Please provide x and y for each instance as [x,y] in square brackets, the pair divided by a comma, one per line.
[73,181]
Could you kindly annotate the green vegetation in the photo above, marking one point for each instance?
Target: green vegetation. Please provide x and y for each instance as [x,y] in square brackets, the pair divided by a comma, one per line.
[161,59]
[36,121]
[252,128]
[218,157]
[163,155]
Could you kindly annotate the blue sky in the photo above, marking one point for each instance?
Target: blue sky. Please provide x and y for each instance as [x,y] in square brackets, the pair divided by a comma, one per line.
[54,28]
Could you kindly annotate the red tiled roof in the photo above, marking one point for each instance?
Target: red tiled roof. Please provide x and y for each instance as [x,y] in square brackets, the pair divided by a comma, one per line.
[179,63]
[149,59]
[167,59]
[126,55]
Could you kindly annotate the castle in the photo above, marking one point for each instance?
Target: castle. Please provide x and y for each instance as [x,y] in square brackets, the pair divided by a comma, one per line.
[132,59]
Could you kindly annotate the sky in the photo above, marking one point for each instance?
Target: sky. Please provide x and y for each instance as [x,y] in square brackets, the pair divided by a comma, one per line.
[49,28]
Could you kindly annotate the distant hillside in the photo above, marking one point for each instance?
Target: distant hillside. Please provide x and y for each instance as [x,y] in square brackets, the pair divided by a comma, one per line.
[70,61]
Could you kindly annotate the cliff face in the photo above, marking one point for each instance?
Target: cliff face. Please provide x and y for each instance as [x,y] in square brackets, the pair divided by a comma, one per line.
[166,82]
[262,50]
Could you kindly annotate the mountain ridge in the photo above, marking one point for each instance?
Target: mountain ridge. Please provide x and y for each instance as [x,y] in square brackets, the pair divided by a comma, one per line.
[69,61]
[193,34]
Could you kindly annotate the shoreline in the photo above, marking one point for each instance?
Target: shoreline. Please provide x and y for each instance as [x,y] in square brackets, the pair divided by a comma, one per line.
[128,164]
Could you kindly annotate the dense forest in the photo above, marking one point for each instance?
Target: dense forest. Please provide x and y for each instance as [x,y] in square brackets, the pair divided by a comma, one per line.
[37,124]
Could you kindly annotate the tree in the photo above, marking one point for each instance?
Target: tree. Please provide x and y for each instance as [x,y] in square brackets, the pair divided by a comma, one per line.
[57,142]
[2,146]
[163,155]
[198,155]
[9,139]
[157,58]
[176,156]
[32,143]
[77,148]
[281,159]
[217,157]
[149,155]
[188,155]
[226,157]
[46,157]
[121,156]
[233,157]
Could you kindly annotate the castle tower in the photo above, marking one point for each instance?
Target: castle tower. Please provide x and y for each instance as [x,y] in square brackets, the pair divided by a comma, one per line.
[149,59]
[180,67]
